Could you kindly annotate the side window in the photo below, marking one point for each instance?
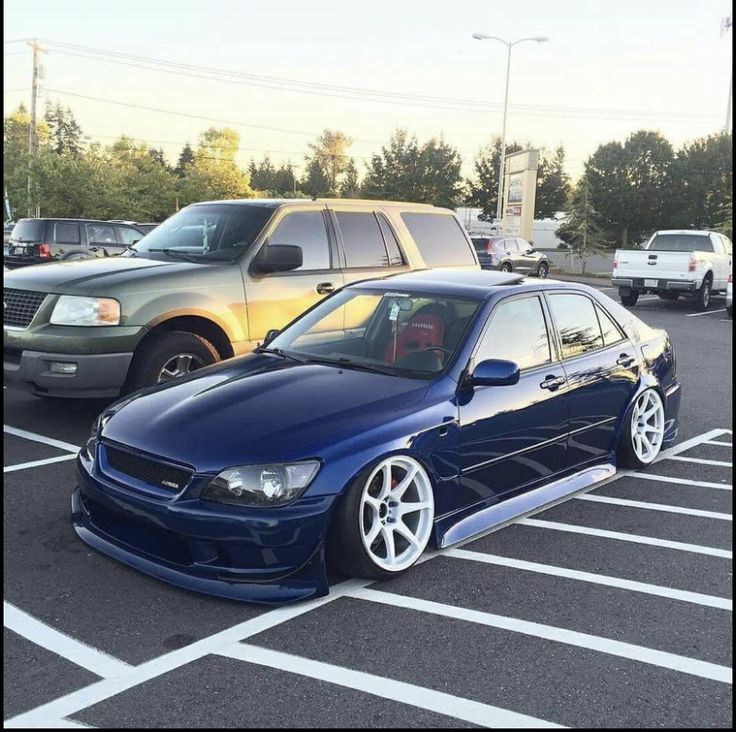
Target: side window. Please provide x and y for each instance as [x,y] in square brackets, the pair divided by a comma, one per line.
[577,324]
[129,235]
[611,332]
[305,229]
[362,239]
[395,258]
[524,246]
[511,246]
[440,239]
[518,333]
[66,233]
[100,234]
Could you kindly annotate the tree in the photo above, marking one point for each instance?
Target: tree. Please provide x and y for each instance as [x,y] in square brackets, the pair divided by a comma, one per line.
[316,182]
[350,186]
[329,152]
[65,132]
[186,158]
[581,229]
[263,175]
[629,185]
[553,185]
[285,181]
[482,187]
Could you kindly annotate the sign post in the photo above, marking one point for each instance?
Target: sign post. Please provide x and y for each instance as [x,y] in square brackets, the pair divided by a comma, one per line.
[520,189]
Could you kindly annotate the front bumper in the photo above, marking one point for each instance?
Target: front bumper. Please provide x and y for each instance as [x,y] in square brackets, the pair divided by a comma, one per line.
[268,556]
[639,283]
[99,375]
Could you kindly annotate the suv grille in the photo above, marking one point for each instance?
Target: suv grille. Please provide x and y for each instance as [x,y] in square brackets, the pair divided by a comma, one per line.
[160,475]
[20,306]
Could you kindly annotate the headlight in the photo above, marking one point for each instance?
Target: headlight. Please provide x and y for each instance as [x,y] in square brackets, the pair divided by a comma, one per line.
[73,310]
[262,485]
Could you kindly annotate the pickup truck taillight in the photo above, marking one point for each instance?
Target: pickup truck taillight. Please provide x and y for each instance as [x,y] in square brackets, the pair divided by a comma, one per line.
[615,264]
[44,251]
[730,278]
[692,265]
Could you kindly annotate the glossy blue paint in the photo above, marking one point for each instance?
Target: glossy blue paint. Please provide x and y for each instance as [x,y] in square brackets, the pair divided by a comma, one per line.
[490,451]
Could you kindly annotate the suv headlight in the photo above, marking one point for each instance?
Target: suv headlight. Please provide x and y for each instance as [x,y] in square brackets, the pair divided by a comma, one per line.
[74,310]
[262,485]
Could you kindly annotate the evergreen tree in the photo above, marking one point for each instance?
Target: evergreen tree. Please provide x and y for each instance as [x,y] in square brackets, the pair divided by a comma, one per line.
[350,186]
[186,157]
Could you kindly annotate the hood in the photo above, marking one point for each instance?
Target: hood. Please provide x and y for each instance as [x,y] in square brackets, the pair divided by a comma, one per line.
[99,275]
[259,408]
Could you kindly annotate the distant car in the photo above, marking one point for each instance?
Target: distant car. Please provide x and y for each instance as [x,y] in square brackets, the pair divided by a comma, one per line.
[729,296]
[35,241]
[510,254]
[7,231]
[145,228]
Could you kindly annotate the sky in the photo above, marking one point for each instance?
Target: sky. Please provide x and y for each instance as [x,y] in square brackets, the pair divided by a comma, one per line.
[608,69]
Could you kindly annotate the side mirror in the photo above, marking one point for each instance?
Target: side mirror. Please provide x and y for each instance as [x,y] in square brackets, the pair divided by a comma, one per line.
[270,335]
[495,372]
[279,258]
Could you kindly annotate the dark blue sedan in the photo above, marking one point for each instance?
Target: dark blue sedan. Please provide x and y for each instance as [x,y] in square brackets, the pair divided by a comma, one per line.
[397,413]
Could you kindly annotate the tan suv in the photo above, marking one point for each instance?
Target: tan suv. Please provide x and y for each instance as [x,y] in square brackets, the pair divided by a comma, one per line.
[207,284]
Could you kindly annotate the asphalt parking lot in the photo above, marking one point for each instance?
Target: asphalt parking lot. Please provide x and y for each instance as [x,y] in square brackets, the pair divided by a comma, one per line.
[610,609]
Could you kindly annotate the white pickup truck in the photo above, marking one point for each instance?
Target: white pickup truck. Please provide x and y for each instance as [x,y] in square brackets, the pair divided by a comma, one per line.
[674,263]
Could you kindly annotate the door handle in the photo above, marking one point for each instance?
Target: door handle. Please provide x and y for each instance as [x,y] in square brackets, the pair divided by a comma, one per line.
[325,288]
[552,383]
[625,360]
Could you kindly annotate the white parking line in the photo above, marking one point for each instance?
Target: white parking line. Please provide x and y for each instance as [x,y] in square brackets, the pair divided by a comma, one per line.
[721,603]
[634,538]
[681,481]
[439,702]
[609,646]
[718,442]
[654,506]
[97,662]
[702,461]
[707,312]
[40,438]
[37,463]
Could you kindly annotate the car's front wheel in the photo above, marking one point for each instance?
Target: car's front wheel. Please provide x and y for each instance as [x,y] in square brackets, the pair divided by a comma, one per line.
[643,433]
[543,270]
[384,522]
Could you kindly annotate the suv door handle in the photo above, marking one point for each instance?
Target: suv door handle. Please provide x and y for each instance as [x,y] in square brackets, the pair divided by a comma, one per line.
[552,383]
[325,288]
[625,360]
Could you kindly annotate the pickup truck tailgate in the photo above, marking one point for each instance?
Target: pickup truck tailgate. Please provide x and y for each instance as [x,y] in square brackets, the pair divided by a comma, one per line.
[656,265]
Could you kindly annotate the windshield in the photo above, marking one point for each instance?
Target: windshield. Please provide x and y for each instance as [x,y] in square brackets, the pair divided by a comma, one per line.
[29,230]
[210,231]
[681,243]
[399,333]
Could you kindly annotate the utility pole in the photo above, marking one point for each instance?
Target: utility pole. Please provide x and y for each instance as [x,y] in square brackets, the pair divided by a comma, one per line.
[726,24]
[33,203]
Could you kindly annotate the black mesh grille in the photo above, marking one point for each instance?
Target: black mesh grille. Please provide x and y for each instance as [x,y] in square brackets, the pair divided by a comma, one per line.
[20,306]
[148,471]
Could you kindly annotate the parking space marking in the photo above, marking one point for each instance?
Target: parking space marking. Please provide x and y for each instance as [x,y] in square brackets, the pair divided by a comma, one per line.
[43,635]
[612,647]
[702,461]
[466,710]
[718,442]
[654,506]
[707,312]
[41,438]
[681,481]
[721,603]
[634,538]
[37,463]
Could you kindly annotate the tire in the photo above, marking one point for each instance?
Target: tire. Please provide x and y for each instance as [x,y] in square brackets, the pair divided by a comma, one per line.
[368,505]
[702,299]
[543,270]
[632,452]
[729,311]
[506,267]
[628,296]
[668,295]
[159,349]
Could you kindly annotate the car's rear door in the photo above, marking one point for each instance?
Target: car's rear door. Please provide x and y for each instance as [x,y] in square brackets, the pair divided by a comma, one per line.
[602,371]
[526,257]
[513,436]
[102,240]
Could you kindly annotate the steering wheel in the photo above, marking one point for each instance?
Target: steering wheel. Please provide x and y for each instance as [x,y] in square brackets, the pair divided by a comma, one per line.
[444,351]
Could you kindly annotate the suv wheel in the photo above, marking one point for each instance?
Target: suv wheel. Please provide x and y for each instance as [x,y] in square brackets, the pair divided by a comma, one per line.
[168,355]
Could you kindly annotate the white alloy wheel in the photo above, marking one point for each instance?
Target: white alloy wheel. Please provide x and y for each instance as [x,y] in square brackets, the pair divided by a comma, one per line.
[396,513]
[647,426]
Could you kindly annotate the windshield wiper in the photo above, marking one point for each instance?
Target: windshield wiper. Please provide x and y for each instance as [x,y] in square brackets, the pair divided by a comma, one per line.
[347,363]
[177,255]
[281,353]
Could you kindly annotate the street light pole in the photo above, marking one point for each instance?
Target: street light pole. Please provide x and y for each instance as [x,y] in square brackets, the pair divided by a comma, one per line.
[726,25]
[509,45]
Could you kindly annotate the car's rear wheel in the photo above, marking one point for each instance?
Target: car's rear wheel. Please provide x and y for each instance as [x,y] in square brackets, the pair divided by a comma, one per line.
[384,522]
[628,295]
[643,432]
[543,270]
[702,299]
[168,355]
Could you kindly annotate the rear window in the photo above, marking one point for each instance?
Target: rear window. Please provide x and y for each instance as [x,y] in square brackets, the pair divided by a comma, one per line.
[481,245]
[439,238]
[681,243]
[28,230]
[66,233]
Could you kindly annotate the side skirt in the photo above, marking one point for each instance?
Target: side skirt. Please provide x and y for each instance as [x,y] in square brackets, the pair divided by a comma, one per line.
[494,516]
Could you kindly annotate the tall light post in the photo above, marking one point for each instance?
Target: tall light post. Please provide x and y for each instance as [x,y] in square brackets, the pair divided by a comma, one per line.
[509,45]
[726,24]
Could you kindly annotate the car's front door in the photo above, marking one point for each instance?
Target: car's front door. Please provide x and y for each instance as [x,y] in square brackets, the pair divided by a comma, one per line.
[513,436]
[275,299]
[602,372]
